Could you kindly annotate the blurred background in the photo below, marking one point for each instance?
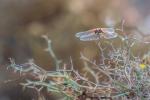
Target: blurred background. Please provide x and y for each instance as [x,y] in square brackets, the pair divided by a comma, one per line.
[23,22]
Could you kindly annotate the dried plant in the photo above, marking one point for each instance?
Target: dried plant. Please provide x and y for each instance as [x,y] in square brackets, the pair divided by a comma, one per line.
[119,76]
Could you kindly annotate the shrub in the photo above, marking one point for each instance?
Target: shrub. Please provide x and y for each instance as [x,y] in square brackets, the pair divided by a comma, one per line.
[126,76]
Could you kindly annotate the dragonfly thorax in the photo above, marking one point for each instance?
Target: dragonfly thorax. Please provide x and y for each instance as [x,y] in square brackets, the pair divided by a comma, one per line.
[97,31]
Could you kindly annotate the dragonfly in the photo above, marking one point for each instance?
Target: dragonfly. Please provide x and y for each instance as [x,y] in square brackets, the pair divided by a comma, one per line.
[97,34]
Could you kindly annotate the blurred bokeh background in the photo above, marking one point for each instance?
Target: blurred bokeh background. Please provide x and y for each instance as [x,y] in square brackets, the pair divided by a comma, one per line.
[23,22]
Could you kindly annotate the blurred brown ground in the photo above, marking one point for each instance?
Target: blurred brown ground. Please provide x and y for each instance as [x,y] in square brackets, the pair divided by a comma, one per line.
[23,22]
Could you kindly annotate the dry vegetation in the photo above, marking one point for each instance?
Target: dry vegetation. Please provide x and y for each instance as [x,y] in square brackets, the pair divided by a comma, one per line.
[104,69]
[119,75]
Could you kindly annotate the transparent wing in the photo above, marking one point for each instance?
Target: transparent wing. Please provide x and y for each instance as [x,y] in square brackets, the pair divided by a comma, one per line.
[85,33]
[110,36]
[90,37]
[108,30]
[109,33]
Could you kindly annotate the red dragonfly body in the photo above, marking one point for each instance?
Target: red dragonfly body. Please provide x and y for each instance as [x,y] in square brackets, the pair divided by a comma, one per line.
[96,34]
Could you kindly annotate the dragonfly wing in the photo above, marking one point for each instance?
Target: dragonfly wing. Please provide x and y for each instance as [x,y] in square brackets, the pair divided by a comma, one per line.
[85,33]
[109,33]
[90,37]
[108,30]
[79,34]
[110,36]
